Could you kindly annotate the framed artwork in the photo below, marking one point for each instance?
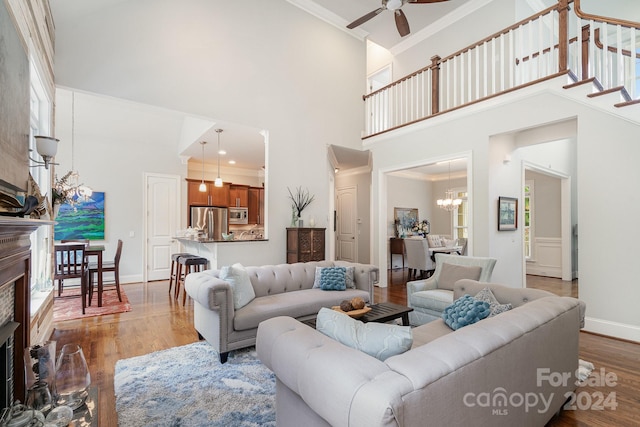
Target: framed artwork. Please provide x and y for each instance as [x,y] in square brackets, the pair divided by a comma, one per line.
[507,213]
[405,217]
[84,220]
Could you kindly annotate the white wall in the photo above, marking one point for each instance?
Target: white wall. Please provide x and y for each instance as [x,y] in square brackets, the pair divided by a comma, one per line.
[115,142]
[606,148]
[268,65]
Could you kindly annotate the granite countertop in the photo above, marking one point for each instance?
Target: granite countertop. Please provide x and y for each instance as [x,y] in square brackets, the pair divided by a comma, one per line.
[205,240]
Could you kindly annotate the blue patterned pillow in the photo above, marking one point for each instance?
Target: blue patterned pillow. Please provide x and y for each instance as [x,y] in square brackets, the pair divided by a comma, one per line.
[349,280]
[465,311]
[333,279]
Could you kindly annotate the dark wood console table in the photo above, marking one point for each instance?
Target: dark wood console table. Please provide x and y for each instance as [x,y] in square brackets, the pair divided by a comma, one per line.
[396,246]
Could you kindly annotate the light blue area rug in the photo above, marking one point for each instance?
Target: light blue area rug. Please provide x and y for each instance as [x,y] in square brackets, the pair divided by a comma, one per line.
[187,386]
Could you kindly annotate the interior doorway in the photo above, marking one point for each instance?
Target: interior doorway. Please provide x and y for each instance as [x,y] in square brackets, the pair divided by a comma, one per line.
[547,232]
[162,219]
[346,224]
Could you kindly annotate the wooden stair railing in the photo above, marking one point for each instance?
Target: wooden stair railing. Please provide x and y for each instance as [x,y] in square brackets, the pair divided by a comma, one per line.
[494,66]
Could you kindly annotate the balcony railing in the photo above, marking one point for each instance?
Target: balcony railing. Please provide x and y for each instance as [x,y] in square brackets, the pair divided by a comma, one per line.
[543,46]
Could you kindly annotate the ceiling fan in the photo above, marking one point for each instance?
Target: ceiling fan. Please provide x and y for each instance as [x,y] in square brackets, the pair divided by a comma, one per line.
[393,5]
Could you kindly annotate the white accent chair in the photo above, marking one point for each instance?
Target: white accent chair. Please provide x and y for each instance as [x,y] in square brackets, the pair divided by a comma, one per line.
[418,258]
[431,296]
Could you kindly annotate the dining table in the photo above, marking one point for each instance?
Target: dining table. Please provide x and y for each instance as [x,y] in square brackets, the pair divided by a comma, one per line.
[96,251]
[444,250]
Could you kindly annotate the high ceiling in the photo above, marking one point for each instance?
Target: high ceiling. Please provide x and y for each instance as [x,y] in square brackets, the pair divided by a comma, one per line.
[382,28]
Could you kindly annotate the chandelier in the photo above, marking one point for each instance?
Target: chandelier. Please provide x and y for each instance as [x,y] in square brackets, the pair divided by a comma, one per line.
[68,189]
[449,203]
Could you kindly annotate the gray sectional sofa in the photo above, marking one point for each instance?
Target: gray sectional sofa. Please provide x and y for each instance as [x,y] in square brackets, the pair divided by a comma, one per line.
[281,290]
[500,371]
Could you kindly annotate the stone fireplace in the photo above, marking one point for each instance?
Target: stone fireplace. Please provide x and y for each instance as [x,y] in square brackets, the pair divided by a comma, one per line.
[15,301]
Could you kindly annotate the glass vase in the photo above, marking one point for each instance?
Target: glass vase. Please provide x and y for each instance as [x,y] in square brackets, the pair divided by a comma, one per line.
[39,363]
[72,378]
[39,397]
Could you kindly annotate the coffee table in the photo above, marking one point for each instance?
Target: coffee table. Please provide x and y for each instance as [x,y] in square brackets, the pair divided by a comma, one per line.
[387,311]
[381,313]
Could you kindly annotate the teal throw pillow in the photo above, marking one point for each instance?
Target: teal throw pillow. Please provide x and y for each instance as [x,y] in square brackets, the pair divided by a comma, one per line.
[380,340]
[494,305]
[349,279]
[333,279]
[465,311]
[241,286]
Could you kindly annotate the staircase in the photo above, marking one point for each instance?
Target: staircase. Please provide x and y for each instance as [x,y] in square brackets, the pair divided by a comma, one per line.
[600,57]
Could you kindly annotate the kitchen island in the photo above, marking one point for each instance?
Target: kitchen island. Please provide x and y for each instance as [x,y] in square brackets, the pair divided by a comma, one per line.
[218,252]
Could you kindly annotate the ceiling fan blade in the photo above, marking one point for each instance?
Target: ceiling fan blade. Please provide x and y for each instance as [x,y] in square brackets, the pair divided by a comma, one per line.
[365,18]
[401,23]
[425,1]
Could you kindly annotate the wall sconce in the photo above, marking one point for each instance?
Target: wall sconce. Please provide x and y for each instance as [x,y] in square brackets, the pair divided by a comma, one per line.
[47,147]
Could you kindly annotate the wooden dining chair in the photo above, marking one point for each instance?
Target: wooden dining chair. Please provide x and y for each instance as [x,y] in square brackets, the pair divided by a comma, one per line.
[71,263]
[83,241]
[109,266]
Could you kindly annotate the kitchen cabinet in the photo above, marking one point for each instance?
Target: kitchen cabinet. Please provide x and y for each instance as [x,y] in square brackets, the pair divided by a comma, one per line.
[256,205]
[305,244]
[214,196]
[239,195]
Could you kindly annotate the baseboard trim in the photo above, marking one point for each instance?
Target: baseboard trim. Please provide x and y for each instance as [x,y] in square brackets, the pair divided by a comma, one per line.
[612,329]
[133,278]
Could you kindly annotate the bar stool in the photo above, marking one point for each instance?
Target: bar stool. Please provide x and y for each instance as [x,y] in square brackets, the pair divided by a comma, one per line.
[175,268]
[191,264]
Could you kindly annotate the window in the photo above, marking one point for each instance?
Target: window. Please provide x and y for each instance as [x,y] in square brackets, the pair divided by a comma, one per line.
[461,215]
[528,218]
[39,121]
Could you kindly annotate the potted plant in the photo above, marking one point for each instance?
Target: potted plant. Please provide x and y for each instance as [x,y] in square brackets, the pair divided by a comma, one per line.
[300,200]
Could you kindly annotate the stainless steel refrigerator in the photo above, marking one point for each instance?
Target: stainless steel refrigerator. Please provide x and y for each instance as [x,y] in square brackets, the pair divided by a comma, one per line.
[212,220]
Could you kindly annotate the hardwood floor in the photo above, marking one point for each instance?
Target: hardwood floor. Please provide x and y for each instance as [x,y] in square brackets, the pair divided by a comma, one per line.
[157,322]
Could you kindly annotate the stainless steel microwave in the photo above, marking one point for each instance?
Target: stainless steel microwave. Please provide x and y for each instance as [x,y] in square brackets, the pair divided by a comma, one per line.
[238,215]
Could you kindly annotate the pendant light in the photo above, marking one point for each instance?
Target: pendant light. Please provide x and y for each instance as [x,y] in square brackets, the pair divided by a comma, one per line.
[449,203]
[203,186]
[218,181]
[81,191]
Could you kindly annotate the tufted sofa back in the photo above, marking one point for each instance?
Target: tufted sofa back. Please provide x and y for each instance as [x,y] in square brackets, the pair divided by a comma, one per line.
[280,278]
[504,294]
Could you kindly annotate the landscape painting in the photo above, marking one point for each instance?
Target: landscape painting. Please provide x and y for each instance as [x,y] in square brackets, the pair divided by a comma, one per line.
[84,220]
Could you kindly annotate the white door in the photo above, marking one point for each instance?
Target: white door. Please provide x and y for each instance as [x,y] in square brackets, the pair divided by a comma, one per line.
[162,221]
[347,229]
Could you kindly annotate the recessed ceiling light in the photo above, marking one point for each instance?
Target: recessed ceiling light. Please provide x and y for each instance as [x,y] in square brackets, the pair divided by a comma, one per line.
[222,152]
[232,162]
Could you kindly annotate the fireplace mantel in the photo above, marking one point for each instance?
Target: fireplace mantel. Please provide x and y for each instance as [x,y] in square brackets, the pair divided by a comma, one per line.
[15,267]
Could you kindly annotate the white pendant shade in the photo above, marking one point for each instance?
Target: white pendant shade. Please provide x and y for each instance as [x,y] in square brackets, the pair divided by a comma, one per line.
[218,182]
[46,145]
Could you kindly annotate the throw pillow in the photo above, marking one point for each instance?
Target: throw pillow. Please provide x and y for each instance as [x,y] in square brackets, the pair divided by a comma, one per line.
[380,340]
[434,241]
[451,273]
[333,279]
[238,278]
[465,311]
[494,305]
[349,279]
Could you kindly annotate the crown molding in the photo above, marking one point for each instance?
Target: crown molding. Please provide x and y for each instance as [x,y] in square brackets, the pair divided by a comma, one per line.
[329,17]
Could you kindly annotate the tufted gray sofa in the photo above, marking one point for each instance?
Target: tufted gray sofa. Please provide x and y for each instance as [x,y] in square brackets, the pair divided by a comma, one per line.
[281,290]
[473,376]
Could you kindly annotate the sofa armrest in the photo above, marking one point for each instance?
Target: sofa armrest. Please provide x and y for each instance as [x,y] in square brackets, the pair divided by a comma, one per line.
[342,385]
[421,285]
[210,291]
[365,277]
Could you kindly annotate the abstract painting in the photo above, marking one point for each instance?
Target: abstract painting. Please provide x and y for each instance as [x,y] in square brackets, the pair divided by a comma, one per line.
[84,220]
